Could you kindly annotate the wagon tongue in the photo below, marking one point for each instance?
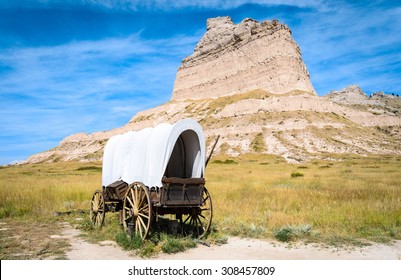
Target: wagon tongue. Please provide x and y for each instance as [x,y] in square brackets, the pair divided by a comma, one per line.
[211,152]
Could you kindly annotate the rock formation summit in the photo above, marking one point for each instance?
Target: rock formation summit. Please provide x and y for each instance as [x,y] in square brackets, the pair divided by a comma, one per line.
[236,58]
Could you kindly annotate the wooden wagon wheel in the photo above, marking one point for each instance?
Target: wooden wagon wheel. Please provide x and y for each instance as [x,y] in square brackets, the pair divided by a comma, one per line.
[137,210]
[197,222]
[97,211]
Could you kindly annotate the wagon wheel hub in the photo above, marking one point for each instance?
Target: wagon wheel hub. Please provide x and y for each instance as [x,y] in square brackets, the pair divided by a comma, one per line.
[135,212]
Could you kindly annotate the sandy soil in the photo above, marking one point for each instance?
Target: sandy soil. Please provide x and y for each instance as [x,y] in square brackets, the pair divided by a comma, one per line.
[235,249]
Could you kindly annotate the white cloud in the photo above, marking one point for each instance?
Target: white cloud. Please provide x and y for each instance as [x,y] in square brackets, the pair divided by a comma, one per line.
[207,4]
[87,67]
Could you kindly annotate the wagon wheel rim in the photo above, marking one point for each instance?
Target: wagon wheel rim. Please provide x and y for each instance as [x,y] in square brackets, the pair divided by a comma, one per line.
[197,222]
[97,211]
[137,210]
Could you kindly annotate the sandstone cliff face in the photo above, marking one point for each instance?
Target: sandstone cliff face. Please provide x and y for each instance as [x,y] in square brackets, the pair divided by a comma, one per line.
[352,94]
[232,59]
[379,103]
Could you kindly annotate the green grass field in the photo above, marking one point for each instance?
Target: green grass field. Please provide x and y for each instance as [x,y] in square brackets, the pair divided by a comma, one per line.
[347,200]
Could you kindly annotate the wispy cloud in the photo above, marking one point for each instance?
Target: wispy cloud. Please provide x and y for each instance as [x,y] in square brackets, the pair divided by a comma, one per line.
[48,93]
[352,44]
[160,5]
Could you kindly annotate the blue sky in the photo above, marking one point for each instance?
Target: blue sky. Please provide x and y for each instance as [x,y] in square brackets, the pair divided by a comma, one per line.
[69,66]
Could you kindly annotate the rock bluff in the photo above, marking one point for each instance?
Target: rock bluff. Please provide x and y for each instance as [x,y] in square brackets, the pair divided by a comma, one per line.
[236,58]
[234,84]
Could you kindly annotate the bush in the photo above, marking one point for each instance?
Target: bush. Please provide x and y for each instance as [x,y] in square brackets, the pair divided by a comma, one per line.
[290,233]
[296,174]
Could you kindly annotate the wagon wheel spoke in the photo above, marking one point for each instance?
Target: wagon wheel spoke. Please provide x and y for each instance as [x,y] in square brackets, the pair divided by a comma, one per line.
[98,219]
[141,197]
[93,218]
[189,216]
[136,226]
[136,197]
[143,209]
[201,224]
[141,201]
[196,226]
[142,224]
[191,221]
[205,199]
[138,222]
[130,202]
[131,197]
[143,215]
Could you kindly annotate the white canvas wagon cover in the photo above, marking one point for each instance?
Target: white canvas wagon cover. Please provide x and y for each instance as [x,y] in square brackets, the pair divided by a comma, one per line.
[172,150]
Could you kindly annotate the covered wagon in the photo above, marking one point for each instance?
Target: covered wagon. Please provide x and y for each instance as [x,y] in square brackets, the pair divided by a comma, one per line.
[155,172]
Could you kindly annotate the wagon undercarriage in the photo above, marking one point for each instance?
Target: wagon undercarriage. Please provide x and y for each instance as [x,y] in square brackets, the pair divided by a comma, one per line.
[186,200]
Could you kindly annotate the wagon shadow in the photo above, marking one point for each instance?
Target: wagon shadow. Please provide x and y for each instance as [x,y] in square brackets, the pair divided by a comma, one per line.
[171,227]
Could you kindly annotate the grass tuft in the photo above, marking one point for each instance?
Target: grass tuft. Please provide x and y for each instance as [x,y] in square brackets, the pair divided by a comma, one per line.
[258,143]
[227,161]
[172,245]
[129,243]
[143,248]
[302,167]
[89,168]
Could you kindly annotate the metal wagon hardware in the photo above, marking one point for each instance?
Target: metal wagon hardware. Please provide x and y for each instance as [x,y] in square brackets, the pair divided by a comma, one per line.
[155,172]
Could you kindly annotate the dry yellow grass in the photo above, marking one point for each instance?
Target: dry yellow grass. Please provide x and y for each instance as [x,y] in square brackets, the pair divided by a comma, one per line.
[255,195]
[353,198]
[41,189]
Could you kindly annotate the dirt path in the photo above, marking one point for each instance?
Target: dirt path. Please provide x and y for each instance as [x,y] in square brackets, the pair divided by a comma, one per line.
[82,250]
[235,249]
